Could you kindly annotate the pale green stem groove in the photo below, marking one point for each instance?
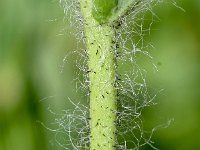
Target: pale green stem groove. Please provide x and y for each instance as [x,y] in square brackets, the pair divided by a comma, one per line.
[100,48]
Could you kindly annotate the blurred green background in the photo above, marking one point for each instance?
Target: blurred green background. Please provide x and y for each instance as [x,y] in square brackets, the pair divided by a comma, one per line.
[34,39]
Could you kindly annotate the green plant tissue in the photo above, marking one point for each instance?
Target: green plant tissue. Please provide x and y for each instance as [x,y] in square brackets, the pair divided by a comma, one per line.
[102,9]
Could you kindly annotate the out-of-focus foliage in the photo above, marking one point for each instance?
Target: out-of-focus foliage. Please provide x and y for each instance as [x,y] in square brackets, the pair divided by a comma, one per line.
[33,43]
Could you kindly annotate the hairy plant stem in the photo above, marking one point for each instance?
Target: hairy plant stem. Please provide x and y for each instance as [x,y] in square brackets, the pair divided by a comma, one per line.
[101,63]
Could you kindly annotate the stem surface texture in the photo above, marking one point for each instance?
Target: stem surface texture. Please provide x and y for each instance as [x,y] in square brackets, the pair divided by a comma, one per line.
[101,64]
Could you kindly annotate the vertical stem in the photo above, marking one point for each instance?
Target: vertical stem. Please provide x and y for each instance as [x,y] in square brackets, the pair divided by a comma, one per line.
[101,63]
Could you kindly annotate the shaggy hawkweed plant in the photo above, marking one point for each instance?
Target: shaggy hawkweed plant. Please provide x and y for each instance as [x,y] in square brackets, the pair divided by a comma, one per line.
[113,33]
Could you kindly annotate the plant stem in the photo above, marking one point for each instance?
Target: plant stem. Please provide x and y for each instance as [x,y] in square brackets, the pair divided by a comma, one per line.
[101,63]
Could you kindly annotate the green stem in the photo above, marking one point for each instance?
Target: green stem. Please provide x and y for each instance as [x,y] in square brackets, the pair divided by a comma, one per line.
[101,64]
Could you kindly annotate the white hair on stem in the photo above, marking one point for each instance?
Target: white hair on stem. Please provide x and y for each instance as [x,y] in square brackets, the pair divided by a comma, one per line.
[132,87]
